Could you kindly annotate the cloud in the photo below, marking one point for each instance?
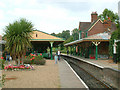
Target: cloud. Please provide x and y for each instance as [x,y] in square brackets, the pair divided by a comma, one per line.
[1,14]
[52,15]
[2,4]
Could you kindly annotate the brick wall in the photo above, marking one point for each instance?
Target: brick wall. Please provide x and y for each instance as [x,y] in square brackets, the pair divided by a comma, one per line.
[103,48]
[97,28]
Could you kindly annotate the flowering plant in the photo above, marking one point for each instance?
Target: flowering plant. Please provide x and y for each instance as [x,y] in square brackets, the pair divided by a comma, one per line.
[34,59]
[21,67]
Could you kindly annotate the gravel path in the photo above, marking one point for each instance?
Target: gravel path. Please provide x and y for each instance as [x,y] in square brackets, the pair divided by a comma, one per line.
[46,76]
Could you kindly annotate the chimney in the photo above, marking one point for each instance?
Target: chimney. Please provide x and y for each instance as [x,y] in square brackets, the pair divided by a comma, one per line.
[94,16]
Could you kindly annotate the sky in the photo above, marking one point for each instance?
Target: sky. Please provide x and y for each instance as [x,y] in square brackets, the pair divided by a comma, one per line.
[52,15]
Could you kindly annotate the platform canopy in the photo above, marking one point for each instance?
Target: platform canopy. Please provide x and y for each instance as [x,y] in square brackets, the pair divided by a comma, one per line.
[40,37]
[97,37]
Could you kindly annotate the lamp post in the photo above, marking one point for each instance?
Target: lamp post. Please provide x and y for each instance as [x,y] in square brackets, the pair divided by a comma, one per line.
[114,50]
[51,43]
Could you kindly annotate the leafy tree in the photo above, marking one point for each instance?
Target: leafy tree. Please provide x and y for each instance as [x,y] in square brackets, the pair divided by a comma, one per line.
[17,35]
[70,39]
[113,16]
[75,34]
[59,35]
[65,34]
[53,34]
[115,35]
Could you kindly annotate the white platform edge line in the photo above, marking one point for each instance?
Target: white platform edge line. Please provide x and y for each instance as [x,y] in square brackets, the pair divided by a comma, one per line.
[77,76]
[88,62]
[92,63]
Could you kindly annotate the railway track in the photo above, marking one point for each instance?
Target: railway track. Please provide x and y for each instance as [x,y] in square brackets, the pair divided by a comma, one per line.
[88,78]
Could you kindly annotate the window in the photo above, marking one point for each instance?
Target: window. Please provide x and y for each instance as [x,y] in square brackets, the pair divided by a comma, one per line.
[36,35]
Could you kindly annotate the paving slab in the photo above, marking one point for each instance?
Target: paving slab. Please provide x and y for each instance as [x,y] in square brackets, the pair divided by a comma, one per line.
[68,79]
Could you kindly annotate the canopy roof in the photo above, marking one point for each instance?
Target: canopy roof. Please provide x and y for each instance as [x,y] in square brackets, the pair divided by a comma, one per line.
[42,36]
[96,37]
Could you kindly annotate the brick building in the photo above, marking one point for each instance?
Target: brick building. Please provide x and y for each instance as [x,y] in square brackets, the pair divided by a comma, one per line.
[93,38]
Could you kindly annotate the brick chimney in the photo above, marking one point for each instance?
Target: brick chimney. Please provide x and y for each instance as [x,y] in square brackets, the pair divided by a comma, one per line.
[94,16]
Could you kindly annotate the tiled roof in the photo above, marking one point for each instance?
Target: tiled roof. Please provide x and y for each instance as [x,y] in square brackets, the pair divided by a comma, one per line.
[42,36]
[84,25]
[100,36]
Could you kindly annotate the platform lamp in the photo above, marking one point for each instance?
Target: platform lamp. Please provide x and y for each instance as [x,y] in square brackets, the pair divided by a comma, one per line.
[114,50]
[51,44]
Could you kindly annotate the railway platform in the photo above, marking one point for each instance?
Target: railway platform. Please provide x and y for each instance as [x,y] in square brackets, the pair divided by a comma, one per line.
[68,78]
[102,63]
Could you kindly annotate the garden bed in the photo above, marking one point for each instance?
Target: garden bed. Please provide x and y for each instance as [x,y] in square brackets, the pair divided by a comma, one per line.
[44,76]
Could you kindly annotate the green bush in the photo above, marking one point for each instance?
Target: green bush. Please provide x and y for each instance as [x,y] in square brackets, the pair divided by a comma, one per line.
[38,60]
[39,57]
[27,61]
[2,63]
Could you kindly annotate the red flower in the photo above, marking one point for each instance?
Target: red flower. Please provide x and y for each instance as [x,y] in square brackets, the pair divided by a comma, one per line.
[25,56]
[31,54]
[2,57]
[31,59]
[41,54]
[108,17]
[27,67]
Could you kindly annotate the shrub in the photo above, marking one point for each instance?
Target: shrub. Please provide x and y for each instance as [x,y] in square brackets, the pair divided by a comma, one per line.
[2,61]
[31,59]
[39,62]
[27,61]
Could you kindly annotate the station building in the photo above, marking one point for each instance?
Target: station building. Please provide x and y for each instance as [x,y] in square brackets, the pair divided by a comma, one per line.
[93,39]
[41,41]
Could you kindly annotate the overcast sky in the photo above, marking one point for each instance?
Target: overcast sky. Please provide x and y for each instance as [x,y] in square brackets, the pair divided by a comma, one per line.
[52,15]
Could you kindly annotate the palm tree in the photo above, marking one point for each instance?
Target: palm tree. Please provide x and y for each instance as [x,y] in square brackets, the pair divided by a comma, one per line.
[18,37]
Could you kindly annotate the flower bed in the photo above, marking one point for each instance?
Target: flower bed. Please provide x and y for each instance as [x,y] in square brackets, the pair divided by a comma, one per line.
[21,67]
[33,59]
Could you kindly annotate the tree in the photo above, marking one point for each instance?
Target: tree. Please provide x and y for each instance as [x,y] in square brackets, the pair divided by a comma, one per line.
[113,16]
[53,34]
[75,34]
[65,34]
[17,35]
[59,35]
[115,35]
[70,39]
